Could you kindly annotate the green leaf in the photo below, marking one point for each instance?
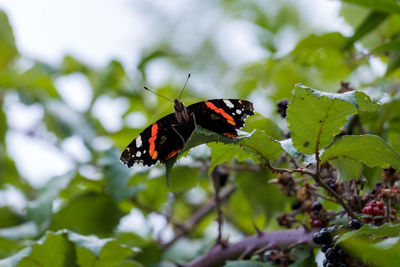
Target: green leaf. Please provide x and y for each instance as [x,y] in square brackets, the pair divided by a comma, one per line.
[7,44]
[53,250]
[362,243]
[386,230]
[265,199]
[394,62]
[92,251]
[13,260]
[393,45]
[369,149]
[8,247]
[375,254]
[71,65]
[348,168]
[183,179]
[258,146]
[221,153]
[373,20]
[117,176]
[287,146]
[9,217]
[259,122]
[364,102]
[315,117]
[36,81]
[40,209]
[388,6]
[201,136]
[156,192]
[84,213]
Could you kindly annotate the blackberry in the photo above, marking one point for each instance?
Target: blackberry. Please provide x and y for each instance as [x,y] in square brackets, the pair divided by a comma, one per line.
[296,204]
[354,224]
[316,206]
[324,247]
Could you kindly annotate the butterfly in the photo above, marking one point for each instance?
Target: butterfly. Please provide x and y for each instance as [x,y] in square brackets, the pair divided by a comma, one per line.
[166,137]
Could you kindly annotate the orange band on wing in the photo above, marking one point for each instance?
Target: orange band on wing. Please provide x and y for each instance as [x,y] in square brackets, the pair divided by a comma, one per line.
[230,134]
[173,153]
[152,141]
[228,117]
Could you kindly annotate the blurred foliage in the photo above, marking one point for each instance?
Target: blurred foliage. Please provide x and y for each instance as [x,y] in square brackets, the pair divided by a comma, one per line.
[76,219]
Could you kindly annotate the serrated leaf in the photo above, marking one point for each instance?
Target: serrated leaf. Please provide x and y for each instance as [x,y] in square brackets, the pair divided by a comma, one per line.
[258,146]
[201,136]
[262,146]
[348,168]
[364,102]
[362,243]
[373,20]
[372,150]
[287,146]
[259,122]
[388,6]
[91,242]
[315,117]
[386,230]
[92,251]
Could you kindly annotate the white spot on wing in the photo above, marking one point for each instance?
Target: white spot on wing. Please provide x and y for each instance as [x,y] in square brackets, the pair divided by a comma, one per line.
[138,154]
[138,141]
[228,103]
[238,111]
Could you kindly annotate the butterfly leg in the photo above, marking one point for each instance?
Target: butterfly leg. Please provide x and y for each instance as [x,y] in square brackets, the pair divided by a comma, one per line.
[195,125]
[176,131]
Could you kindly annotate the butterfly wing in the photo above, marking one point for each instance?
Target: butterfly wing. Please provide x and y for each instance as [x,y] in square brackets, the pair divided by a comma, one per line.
[222,116]
[160,141]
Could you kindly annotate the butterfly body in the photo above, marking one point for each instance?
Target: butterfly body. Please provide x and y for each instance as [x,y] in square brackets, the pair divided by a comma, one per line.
[166,137]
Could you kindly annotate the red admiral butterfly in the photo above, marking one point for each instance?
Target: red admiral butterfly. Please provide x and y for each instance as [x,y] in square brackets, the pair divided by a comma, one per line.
[166,137]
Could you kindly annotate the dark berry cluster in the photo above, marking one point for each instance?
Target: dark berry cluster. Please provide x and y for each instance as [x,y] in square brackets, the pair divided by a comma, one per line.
[373,208]
[326,238]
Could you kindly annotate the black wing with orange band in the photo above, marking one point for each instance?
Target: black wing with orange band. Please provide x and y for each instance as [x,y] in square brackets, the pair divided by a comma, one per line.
[222,116]
[165,138]
[157,142]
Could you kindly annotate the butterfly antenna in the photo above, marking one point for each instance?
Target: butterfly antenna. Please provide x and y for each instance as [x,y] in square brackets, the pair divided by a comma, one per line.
[158,94]
[187,79]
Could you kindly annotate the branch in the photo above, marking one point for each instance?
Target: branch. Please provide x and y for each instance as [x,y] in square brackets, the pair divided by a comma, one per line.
[218,255]
[199,215]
